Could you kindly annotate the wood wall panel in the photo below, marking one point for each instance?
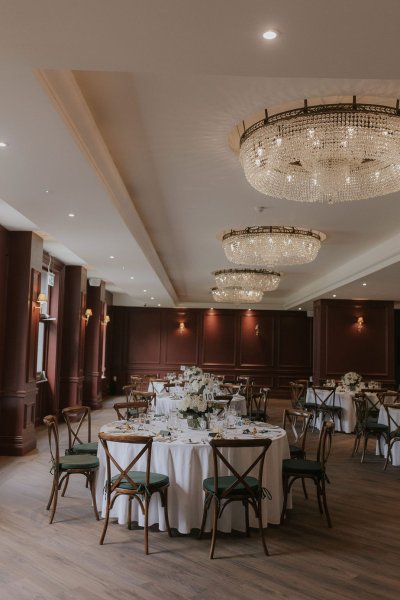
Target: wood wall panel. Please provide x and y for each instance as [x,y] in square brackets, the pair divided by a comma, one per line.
[257,339]
[294,332]
[219,339]
[343,347]
[147,340]
[181,345]
[144,339]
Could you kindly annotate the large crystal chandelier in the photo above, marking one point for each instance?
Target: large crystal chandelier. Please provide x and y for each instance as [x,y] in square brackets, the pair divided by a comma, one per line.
[324,153]
[271,245]
[250,279]
[236,295]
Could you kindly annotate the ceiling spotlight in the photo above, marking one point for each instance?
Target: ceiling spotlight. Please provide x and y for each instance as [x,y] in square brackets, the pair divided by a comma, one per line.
[151,297]
[270,34]
[3,144]
[112,257]
[71,215]
[132,277]
[364,284]
[333,295]
[158,304]
[300,308]
[145,291]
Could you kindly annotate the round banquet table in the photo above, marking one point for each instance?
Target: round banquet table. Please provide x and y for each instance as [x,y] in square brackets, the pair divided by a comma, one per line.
[382,418]
[187,460]
[167,402]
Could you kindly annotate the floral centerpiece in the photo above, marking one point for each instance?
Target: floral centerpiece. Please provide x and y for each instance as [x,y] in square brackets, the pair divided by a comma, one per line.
[194,405]
[351,379]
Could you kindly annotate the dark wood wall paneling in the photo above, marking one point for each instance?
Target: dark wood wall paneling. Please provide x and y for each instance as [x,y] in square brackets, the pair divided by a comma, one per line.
[92,390]
[340,346]
[274,347]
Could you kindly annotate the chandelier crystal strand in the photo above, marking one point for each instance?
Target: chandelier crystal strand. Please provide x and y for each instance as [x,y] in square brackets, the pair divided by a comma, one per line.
[236,295]
[324,153]
[271,245]
[251,279]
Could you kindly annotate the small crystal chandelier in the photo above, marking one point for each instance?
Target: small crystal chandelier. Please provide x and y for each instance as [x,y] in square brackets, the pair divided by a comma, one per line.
[236,295]
[250,279]
[271,245]
[324,153]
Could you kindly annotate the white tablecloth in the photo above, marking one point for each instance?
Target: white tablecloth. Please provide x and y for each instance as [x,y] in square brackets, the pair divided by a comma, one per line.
[344,400]
[187,464]
[165,403]
[395,413]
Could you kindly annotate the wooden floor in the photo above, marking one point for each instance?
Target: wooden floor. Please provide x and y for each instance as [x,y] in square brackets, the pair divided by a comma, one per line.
[358,558]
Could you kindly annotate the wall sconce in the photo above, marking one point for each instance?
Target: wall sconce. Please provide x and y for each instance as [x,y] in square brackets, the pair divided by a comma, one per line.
[181,327]
[257,329]
[360,323]
[88,314]
[41,299]
[107,319]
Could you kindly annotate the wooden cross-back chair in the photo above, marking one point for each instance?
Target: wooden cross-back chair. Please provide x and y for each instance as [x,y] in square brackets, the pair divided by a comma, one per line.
[130,410]
[132,484]
[297,394]
[136,381]
[393,434]
[325,404]
[64,466]
[257,403]
[388,397]
[77,419]
[367,426]
[293,469]
[237,486]
[296,424]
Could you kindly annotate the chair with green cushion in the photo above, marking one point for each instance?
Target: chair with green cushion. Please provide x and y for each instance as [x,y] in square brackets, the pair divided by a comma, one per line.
[77,418]
[64,466]
[243,486]
[130,410]
[394,431]
[257,403]
[367,425]
[134,485]
[297,394]
[326,404]
[293,469]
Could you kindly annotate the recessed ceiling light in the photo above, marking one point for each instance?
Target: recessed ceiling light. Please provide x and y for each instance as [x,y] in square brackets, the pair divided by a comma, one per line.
[46,191]
[333,295]
[145,291]
[71,215]
[151,297]
[364,284]
[3,144]
[123,268]
[132,277]
[270,34]
[112,257]
[300,308]
[158,304]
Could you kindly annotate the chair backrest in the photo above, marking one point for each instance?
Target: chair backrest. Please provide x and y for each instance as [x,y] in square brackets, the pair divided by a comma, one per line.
[52,429]
[230,388]
[387,396]
[360,403]
[296,423]
[257,403]
[157,384]
[324,397]
[297,393]
[325,442]
[75,417]
[123,472]
[136,380]
[394,426]
[219,459]
[129,410]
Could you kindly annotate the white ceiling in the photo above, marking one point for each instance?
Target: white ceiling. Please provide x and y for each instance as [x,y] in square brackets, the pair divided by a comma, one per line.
[120,111]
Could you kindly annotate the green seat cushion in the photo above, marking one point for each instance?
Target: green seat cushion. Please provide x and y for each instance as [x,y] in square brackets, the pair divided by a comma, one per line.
[371,424]
[310,405]
[78,461]
[298,466]
[226,481]
[89,448]
[156,480]
[295,451]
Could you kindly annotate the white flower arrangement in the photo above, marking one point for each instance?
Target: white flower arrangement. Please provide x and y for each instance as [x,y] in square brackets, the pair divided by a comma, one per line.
[193,404]
[191,373]
[351,379]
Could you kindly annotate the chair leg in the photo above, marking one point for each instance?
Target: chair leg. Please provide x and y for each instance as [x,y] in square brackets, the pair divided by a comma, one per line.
[103,535]
[207,502]
[260,524]
[66,481]
[388,455]
[129,524]
[91,479]
[146,523]
[214,531]
[285,486]
[53,490]
[164,503]
[319,493]
[303,483]
[364,447]
[356,444]
[328,518]
[54,506]
[246,516]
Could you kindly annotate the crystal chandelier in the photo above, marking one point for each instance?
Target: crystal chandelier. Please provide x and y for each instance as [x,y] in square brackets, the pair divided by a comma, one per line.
[324,153]
[271,245]
[236,295]
[250,279]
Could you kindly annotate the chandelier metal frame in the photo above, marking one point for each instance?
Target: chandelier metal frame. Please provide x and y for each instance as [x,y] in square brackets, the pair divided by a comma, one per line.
[255,279]
[271,245]
[326,152]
